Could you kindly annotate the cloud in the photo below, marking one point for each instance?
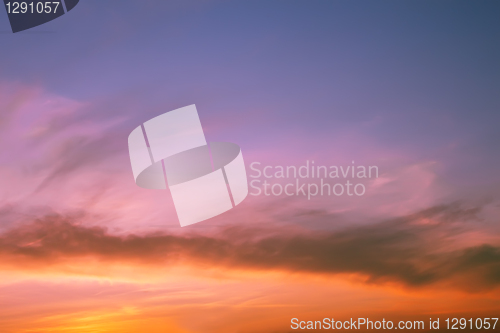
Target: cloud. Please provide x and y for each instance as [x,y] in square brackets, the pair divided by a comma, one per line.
[46,137]
[416,250]
[77,152]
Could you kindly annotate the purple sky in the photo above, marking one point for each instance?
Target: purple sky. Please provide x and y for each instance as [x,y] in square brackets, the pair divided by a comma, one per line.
[409,86]
[392,84]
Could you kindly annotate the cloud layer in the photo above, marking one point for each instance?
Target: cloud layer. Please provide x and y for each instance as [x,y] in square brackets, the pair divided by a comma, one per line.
[417,250]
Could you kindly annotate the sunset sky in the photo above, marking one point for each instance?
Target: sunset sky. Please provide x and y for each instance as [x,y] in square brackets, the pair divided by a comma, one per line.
[409,86]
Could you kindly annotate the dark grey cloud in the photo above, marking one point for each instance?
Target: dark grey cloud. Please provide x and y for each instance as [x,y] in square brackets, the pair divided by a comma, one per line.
[410,250]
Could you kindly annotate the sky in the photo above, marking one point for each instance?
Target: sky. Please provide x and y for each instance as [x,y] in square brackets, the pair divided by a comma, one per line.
[410,87]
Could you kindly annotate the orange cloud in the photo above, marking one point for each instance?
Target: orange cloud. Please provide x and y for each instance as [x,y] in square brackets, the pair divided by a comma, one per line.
[409,251]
